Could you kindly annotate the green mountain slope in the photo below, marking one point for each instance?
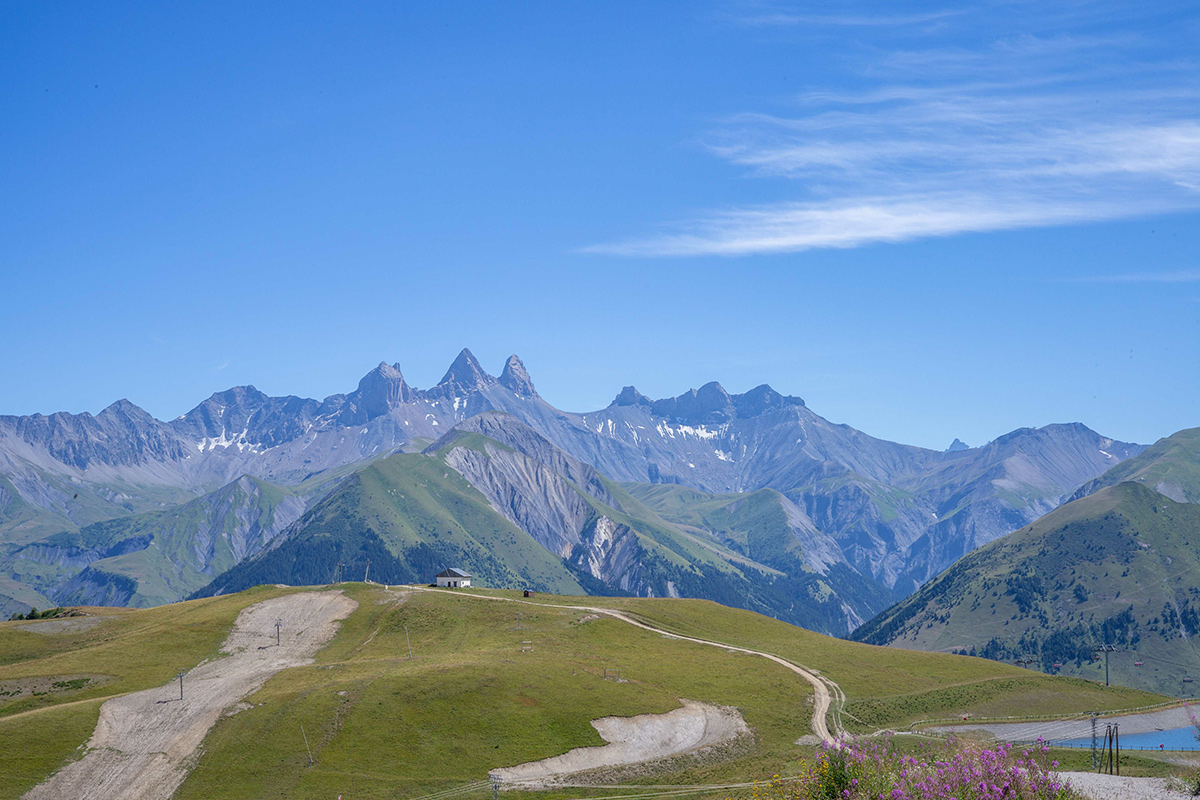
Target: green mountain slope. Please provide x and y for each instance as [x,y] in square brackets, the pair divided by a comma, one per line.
[1171,467]
[1117,567]
[411,516]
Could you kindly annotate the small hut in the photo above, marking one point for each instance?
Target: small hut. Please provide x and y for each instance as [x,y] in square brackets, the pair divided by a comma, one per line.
[452,578]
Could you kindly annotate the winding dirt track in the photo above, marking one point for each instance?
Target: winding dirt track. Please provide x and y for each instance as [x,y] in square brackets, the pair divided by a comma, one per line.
[823,688]
[144,742]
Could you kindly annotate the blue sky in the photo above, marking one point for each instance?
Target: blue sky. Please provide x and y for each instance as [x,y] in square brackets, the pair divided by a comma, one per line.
[928,220]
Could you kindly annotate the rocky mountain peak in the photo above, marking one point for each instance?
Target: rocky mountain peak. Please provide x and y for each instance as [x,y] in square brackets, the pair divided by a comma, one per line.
[630,396]
[380,390]
[465,375]
[957,445]
[708,404]
[125,409]
[516,378]
[762,398]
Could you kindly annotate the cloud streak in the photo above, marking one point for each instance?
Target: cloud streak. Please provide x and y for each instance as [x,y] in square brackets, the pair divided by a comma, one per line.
[1021,132]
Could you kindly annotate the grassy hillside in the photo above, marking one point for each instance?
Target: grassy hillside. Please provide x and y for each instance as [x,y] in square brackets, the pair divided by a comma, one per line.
[1171,466]
[1116,567]
[377,721]
[884,686]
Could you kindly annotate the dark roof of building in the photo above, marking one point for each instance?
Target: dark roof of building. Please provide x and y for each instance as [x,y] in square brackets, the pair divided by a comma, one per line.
[453,573]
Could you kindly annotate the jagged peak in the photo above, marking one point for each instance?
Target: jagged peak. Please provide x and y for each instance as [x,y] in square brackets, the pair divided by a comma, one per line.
[384,370]
[238,393]
[381,389]
[763,398]
[516,378]
[957,445]
[712,389]
[124,407]
[466,374]
[124,404]
[629,396]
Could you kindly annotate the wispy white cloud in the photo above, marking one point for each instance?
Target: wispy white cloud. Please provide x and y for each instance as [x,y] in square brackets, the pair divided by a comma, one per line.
[1016,132]
[791,227]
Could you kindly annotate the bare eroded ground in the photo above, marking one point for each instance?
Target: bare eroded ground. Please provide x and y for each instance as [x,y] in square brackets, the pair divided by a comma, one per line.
[635,740]
[143,742]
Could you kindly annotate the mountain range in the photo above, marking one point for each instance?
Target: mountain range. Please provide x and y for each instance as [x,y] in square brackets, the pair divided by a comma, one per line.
[1117,566]
[749,497]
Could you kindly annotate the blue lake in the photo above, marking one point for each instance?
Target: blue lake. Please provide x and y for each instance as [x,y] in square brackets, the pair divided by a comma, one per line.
[1171,739]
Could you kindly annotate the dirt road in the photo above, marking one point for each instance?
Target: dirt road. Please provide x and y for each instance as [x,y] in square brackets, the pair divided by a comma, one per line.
[823,688]
[143,742]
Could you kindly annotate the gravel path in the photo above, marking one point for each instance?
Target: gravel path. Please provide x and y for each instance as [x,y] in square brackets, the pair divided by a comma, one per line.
[1119,787]
[144,742]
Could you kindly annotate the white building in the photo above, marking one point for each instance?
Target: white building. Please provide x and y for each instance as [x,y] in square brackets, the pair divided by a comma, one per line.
[453,579]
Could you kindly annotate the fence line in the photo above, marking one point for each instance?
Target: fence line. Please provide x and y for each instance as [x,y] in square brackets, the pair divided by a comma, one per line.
[1048,717]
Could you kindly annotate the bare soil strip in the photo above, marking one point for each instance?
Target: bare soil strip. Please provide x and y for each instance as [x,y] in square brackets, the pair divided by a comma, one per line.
[633,740]
[822,696]
[144,741]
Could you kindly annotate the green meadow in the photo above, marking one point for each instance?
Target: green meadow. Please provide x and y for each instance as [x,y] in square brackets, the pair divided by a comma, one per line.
[473,697]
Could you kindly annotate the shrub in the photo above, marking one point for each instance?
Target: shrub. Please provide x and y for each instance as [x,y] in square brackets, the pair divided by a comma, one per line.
[855,769]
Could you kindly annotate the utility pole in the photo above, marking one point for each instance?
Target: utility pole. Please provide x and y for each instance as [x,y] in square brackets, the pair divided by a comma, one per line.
[306,747]
[1095,750]
[1106,649]
[337,573]
[409,641]
[367,574]
[519,615]
[278,625]
[180,676]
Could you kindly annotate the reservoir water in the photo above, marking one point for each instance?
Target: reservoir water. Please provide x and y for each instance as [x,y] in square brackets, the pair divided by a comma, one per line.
[1171,739]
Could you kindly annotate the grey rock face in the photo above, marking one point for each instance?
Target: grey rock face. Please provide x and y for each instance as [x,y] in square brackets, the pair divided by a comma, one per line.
[120,435]
[630,396]
[464,377]
[516,378]
[534,484]
[380,390]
